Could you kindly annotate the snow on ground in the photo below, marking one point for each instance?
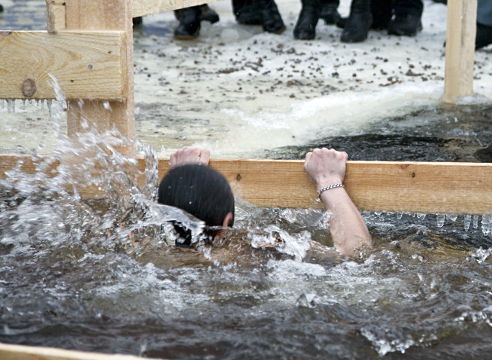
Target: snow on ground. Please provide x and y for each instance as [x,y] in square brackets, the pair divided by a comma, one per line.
[239,91]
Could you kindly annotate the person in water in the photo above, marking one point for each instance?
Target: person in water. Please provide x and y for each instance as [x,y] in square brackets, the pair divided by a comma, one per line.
[204,193]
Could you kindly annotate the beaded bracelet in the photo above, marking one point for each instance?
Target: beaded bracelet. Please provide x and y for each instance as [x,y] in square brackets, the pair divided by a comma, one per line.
[330,187]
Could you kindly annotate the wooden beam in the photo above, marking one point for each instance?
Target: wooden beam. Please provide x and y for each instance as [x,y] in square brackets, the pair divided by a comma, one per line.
[460,49]
[55,14]
[21,352]
[85,64]
[462,188]
[104,15]
[149,7]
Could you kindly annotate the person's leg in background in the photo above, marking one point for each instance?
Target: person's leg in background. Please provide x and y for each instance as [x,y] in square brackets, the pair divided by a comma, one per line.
[484,24]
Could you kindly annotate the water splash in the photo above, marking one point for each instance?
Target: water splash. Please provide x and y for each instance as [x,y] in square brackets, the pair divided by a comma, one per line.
[290,244]
[486,224]
[480,254]
[440,220]
[451,217]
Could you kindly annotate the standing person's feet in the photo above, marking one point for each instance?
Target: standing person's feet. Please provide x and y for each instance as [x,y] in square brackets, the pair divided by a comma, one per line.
[189,23]
[405,25]
[308,19]
[271,21]
[357,27]
[358,23]
[484,36]
[259,12]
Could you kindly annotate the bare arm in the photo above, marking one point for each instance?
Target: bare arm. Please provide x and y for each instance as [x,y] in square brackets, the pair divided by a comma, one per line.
[189,155]
[349,232]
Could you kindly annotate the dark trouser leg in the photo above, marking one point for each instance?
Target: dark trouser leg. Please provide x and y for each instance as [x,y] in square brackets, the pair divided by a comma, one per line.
[484,36]
[407,18]
[484,23]
[358,23]
[189,23]
[246,13]
[271,21]
[329,12]
[413,7]
[308,19]
[382,11]
[208,14]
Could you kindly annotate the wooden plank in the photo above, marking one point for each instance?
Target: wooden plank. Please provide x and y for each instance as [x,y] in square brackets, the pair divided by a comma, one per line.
[462,188]
[21,352]
[104,15]
[84,64]
[55,15]
[149,7]
[460,49]
[372,185]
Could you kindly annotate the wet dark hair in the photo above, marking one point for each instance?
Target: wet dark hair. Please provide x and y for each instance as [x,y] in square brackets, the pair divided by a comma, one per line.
[200,191]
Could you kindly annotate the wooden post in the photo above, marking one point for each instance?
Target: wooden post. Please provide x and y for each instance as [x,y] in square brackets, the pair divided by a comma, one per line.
[104,115]
[55,15]
[460,49]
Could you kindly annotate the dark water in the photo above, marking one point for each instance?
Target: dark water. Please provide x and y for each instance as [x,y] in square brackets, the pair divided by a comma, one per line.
[432,133]
[104,275]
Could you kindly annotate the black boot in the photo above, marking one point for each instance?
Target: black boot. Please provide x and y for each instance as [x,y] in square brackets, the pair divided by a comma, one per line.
[246,13]
[271,21]
[189,23]
[329,12]
[407,18]
[405,25]
[358,23]
[208,14]
[484,36]
[308,19]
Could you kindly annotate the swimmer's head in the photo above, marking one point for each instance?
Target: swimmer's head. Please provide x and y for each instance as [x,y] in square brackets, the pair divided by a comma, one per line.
[200,191]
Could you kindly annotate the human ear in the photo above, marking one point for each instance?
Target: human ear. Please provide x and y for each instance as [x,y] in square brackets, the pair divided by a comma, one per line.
[227,220]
